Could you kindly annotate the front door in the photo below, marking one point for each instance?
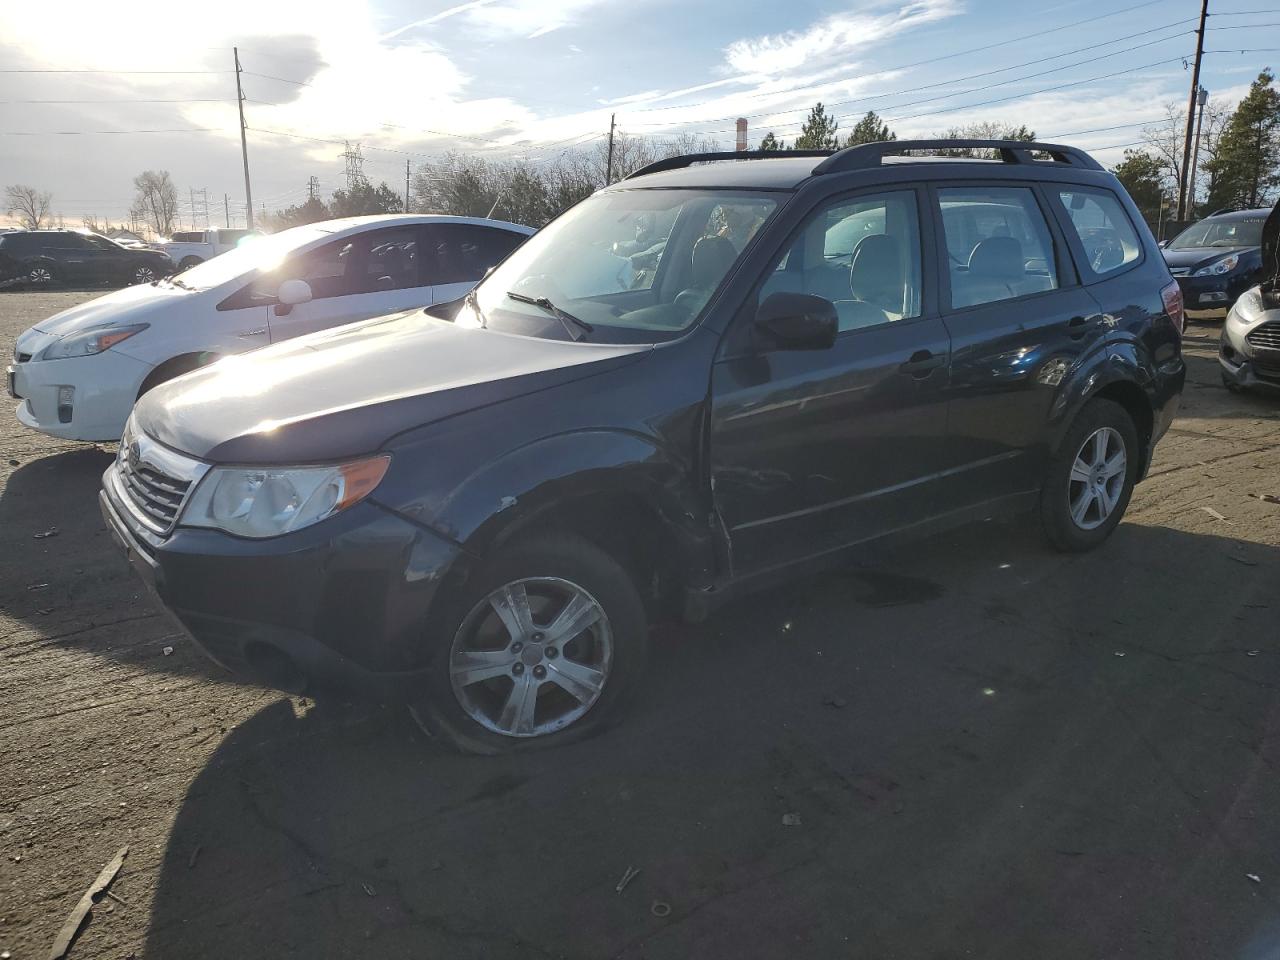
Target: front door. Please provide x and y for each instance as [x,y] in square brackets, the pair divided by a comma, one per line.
[815,450]
[1020,323]
[354,278]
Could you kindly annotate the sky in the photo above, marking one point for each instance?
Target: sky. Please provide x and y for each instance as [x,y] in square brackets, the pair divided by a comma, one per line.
[529,79]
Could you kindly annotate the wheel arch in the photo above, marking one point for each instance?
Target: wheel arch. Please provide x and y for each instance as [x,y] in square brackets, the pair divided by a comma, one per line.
[175,367]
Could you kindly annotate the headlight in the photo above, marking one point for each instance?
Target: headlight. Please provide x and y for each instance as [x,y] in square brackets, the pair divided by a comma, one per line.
[89,342]
[268,501]
[1225,265]
[1248,308]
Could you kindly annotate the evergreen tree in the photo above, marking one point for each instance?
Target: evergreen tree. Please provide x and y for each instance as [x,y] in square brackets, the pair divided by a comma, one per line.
[870,129]
[770,142]
[364,199]
[1144,177]
[819,131]
[1246,165]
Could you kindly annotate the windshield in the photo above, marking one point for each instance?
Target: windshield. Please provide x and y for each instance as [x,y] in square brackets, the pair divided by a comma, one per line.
[627,266]
[258,253]
[1220,233]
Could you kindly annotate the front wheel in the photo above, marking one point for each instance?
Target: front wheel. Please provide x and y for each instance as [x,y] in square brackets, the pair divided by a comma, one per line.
[142,274]
[40,276]
[543,649]
[1091,478]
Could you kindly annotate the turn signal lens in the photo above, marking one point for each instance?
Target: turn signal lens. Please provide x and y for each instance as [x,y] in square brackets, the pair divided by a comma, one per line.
[1173,305]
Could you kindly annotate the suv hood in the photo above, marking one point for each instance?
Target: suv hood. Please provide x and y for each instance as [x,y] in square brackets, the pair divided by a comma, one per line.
[1271,250]
[1194,258]
[346,392]
[127,305]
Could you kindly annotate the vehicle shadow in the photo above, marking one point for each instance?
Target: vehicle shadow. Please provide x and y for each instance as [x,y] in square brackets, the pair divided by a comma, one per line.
[62,574]
[1205,395]
[978,749]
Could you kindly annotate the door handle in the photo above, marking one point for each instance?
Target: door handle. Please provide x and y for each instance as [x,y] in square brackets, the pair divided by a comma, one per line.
[922,363]
[1077,327]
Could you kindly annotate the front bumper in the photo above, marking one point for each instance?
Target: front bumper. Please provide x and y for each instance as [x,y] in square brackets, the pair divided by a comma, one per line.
[1248,366]
[342,605]
[103,389]
[1210,298]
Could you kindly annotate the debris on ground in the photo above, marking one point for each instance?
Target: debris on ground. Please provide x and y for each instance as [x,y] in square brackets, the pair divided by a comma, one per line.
[791,819]
[1247,562]
[37,586]
[1119,653]
[1266,497]
[628,875]
[369,889]
[838,702]
[660,908]
[51,532]
[1251,653]
[195,855]
[1213,513]
[62,943]
[1254,877]
[167,651]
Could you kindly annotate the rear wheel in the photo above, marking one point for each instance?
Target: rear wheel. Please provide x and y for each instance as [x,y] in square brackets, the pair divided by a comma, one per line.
[40,276]
[543,649]
[1090,480]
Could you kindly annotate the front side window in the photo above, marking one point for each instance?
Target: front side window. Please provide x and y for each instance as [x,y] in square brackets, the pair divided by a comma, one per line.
[1104,229]
[998,244]
[1219,233]
[637,265]
[862,254]
[369,262]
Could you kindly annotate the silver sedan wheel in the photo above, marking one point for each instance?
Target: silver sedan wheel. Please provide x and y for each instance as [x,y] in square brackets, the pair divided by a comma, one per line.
[1097,478]
[143,275]
[532,657]
[40,275]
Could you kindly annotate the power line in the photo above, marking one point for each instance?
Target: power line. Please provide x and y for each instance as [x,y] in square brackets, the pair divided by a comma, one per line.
[123,72]
[188,100]
[84,133]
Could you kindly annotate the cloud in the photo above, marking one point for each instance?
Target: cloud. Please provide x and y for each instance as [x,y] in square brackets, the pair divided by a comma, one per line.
[838,35]
[506,18]
[436,18]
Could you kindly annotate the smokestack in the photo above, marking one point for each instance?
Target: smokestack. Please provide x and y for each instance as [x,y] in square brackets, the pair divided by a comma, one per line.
[742,134]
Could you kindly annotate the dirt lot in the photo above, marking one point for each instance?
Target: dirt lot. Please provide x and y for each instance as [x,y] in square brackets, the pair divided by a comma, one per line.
[986,749]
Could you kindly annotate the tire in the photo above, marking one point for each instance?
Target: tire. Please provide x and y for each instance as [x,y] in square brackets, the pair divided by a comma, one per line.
[41,275]
[482,714]
[188,262]
[142,274]
[1078,475]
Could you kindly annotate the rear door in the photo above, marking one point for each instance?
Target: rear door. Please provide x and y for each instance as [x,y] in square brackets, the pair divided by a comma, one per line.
[457,255]
[1019,321]
[814,450]
[353,278]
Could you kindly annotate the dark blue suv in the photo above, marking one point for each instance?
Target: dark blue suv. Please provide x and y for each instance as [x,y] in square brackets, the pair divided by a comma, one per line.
[724,370]
[1216,260]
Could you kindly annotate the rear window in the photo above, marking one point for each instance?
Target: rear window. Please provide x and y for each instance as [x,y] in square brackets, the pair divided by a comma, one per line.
[16,244]
[1106,233]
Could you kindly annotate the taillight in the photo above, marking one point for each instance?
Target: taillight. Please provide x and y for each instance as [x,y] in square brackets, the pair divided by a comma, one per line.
[1173,305]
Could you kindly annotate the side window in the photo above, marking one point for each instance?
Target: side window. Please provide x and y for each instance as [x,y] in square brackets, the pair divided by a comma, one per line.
[1106,233]
[459,252]
[391,264]
[861,254]
[998,244]
[366,263]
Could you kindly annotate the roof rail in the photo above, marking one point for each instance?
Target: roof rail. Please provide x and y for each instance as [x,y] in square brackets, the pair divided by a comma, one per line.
[867,155]
[688,159]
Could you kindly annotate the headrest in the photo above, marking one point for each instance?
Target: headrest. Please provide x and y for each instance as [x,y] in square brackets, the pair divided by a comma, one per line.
[712,258]
[998,258]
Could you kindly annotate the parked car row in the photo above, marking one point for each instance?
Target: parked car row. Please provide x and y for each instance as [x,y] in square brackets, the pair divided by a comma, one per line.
[697,381]
[42,258]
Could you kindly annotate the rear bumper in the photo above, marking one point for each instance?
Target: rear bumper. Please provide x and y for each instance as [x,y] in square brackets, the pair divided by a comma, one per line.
[1210,298]
[340,606]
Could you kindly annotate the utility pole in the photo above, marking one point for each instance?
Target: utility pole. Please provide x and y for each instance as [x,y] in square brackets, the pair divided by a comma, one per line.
[244,144]
[1201,98]
[1184,187]
[608,166]
[313,189]
[406,186]
[193,207]
[226,208]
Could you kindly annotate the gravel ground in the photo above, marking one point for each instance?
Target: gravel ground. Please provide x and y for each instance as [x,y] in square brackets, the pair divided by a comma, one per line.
[977,748]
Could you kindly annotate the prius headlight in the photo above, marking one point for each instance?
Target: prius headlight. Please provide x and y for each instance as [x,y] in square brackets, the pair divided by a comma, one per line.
[268,501]
[89,342]
[1219,267]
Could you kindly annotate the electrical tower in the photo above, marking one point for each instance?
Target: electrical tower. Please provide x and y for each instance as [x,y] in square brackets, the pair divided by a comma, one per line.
[355,164]
[313,188]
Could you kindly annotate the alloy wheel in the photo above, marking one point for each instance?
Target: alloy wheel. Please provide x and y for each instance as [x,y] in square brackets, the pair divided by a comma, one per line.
[143,275]
[41,275]
[532,657]
[1097,478]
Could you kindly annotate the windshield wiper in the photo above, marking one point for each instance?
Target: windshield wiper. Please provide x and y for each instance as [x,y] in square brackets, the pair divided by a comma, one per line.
[567,319]
[470,301]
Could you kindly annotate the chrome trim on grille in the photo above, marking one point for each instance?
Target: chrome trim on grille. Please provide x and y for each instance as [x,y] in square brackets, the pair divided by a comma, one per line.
[153,482]
[1265,337]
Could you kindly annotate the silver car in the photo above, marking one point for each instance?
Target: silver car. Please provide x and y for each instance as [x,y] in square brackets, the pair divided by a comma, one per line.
[1250,349]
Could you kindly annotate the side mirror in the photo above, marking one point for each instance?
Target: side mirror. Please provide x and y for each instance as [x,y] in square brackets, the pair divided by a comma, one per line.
[1163,244]
[290,294]
[796,321]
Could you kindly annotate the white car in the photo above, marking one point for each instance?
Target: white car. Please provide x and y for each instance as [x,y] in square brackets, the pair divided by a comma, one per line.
[78,373]
[193,247]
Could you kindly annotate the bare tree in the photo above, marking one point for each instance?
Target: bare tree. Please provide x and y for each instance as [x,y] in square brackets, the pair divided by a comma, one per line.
[155,200]
[29,204]
[1166,139]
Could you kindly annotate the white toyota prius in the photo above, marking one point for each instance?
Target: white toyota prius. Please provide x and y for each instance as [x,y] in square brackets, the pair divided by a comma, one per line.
[78,373]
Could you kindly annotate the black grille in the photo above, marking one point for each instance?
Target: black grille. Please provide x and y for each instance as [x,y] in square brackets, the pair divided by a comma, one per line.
[1267,370]
[156,494]
[1267,336]
[21,357]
